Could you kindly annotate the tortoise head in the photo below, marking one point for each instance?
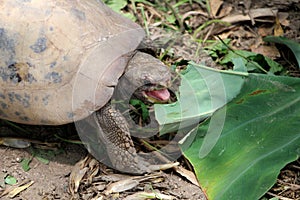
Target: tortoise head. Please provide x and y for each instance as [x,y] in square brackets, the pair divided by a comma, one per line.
[148,79]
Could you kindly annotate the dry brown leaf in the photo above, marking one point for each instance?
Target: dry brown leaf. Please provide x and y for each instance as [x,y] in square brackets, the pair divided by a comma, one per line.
[278,31]
[262,12]
[76,178]
[193,12]
[148,195]
[129,183]
[99,186]
[215,6]
[225,11]
[269,51]
[225,35]
[265,31]
[164,166]
[114,177]
[100,197]
[253,13]
[78,172]
[283,18]
[14,189]
[93,170]
[121,186]
[19,189]
[189,175]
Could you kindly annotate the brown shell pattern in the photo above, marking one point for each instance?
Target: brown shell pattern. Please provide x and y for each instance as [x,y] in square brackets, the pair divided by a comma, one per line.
[60,60]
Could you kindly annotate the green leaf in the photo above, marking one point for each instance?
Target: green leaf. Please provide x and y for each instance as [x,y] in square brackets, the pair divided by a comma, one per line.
[116,5]
[218,48]
[294,46]
[260,136]
[203,90]
[138,104]
[10,180]
[42,159]
[254,62]
[239,65]
[171,19]
[25,164]
[43,155]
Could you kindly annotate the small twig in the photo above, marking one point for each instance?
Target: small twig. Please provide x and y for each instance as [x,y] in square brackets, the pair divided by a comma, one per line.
[295,166]
[209,32]
[293,186]
[277,196]
[194,12]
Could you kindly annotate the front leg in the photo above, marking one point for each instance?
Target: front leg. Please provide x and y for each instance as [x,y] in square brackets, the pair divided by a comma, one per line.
[115,135]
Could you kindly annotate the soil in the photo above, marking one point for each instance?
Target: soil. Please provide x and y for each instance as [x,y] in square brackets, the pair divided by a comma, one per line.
[53,180]
[50,180]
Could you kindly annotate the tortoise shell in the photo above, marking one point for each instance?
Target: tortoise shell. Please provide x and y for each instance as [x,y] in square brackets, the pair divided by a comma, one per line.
[60,60]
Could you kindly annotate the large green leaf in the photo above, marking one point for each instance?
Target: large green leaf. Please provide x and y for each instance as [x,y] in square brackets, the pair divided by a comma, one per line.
[260,136]
[203,90]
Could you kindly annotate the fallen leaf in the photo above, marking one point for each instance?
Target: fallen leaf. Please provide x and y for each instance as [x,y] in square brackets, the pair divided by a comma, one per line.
[79,170]
[283,18]
[129,183]
[278,31]
[253,14]
[163,166]
[2,176]
[225,11]
[78,177]
[100,186]
[114,177]
[264,31]
[19,189]
[148,195]
[189,175]
[215,6]
[121,186]
[98,198]
[269,51]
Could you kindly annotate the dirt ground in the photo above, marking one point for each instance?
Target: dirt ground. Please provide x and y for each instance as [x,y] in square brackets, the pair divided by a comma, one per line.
[51,181]
[51,177]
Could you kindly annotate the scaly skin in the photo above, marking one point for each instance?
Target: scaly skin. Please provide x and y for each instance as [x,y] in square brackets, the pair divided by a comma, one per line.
[118,143]
[143,71]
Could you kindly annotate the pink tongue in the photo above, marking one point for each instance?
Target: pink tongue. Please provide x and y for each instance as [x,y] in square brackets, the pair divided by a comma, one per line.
[162,95]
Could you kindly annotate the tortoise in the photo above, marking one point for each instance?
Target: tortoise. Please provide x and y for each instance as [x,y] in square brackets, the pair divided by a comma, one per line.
[62,61]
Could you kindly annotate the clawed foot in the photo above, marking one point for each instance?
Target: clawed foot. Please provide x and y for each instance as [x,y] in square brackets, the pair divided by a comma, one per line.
[114,134]
[125,161]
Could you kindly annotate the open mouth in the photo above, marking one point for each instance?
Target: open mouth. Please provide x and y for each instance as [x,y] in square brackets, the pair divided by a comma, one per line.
[158,95]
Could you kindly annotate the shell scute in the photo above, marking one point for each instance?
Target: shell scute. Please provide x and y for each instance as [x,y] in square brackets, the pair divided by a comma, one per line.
[55,56]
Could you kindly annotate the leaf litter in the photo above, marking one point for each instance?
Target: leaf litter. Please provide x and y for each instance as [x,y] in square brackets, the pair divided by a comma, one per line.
[195,14]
